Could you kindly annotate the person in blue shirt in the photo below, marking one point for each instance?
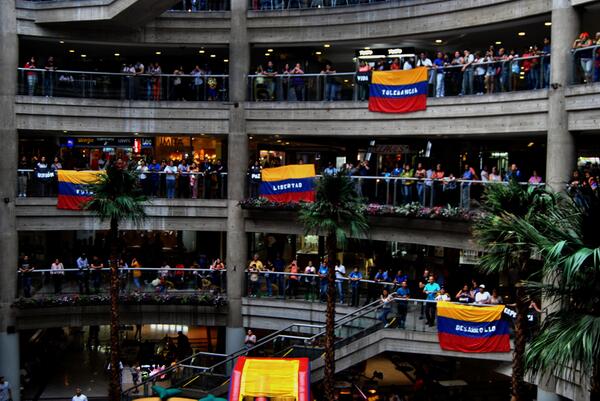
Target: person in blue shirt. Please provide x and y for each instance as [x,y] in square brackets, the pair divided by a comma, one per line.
[430,290]
[381,277]
[513,173]
[323,271]
[403,292]
[438,66]
[399,278]
[153,171]
[355,276]
[468,174]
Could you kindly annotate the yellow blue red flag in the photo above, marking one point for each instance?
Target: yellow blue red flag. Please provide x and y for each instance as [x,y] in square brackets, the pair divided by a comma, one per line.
[74,188]
[400,91]
[472,328]
[293,183]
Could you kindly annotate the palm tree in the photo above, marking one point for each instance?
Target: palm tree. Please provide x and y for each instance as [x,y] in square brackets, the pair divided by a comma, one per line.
[336,213]
[116,197]
[567,345]
[506,250]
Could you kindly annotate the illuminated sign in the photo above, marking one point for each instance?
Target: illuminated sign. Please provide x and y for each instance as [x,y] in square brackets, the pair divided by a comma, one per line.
[394,51]
[104,142]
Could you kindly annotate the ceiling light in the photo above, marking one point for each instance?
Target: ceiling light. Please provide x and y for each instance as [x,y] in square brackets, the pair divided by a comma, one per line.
[71,51]
[548,23]
[213,55]
[250,137]
[270,50]
[345,80]
[267,54]
[521,34]
[117,54]
[318,53]
[530,144]
[226,60]
[367,48]
[438,41]
[326,45]
[498,42]
[84,55]
[61,42]
[158,53]
[201,51]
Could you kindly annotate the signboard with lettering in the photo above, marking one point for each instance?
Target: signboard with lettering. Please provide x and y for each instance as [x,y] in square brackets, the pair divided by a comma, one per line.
[103,142]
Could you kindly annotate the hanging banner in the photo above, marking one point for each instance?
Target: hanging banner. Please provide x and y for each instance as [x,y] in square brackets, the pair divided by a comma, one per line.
[270,378]
[400,91]
[293,183]
[74,188]
[472,328]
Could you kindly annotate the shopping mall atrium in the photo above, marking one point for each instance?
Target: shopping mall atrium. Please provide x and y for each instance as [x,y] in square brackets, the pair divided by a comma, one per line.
[220,109]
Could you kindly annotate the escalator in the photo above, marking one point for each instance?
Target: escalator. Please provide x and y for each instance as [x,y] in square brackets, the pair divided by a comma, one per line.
[205,373]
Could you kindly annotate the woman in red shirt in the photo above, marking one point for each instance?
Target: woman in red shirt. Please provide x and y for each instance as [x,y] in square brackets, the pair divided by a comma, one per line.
[31,76]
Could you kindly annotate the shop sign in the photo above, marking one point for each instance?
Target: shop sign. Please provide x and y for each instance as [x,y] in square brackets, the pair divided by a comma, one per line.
[103,142]
[385,52]
[389,149]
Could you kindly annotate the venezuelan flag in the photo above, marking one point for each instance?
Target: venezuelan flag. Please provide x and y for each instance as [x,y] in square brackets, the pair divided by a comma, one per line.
[74,188]
[400,91]
[293,183]
[472,328]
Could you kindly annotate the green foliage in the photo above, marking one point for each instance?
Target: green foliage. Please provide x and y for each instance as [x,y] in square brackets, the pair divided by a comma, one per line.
[117,195]
[337,210]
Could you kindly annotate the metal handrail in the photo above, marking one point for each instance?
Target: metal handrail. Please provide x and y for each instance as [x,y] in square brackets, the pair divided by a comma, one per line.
[124,74]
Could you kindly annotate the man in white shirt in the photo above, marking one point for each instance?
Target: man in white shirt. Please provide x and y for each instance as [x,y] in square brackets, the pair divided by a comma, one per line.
[340,273]
[79,396]
[424,61]
[5,391]
[482,296]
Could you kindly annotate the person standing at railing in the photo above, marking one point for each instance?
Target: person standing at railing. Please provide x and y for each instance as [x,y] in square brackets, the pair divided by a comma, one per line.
[515,70]
[154,177]
[546,51]
[171,176]
[137,273]
[362,80]
[23,177]
[584,41]
[32,77]
[255,178]
[330,82]
[407,183]
[293,280]
[208,175]
[490,72]
[456,73]
[479,73]
[437,188]
[26,268]
[355,277]
[430,290]
[513,173]
[83,274]
[403,292]
[57,271]
[465,187]
[503,70]
[424,61]
[254,268]
[323,281]
[128,81]
[43,175]
[467,73]
[49,73]
[535,179]
[421,175]
[178,84]
[386,300]
[194,175]
[340,275]
[270,75]
[298,82]
[142,171]
[96,268]
[156,81]
[438,66]
[310,282]
[137,79]
[123,273]
[198,82]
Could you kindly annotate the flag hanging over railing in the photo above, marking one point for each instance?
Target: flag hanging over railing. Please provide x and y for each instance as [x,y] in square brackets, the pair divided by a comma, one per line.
[74,188]
[400,91]
[472,328]
[293,183]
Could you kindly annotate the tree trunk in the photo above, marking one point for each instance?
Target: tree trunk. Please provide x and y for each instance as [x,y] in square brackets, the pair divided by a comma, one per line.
[595,382]
[115,371]
[518,362]
[329,379]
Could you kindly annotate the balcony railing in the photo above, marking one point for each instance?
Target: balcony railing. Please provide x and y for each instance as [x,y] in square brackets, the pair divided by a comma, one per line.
[586,65]
[517,74]
[111,85]
[155,184]
[198,6]
[280,5]
[427,192]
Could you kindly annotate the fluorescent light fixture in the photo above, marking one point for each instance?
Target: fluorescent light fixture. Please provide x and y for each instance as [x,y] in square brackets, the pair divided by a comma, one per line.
[158,53]
[226,60]
[498,42]
[548,23]
[318,53]
[117,54]
[521,33]
[213,55]
[84,55]
[61,42]
[71,51]
[270,50]
[326,45]
[201,51]
[438,41]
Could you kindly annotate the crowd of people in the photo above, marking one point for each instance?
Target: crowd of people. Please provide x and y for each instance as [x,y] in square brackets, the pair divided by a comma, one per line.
[583,185]
[168,178]
[587,56]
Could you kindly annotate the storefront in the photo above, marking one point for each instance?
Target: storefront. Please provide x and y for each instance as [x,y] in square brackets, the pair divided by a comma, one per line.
[195,148]
[93,152]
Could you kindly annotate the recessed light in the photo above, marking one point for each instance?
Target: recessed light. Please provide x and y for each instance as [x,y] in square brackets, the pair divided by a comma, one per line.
[498,42]
[117,54]
[201,51]
[521,34]
[326,45]
[158,53]
[213,55]
[345,80]
[367,48]
[267,54]
[84,55]
[136,133]
[318,53]
[548,23]
[71,51]
[270,50]
[226,60]
[61,42]
[438,41]
[530,144]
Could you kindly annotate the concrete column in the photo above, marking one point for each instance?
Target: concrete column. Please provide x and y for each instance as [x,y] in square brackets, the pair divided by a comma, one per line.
[9,339]
[560,150]
[237,145]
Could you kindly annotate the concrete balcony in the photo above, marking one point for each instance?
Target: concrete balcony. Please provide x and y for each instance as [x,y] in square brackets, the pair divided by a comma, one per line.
[583,106]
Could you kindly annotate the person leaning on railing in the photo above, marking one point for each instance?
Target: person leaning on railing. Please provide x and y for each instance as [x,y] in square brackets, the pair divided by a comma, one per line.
[583,41]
